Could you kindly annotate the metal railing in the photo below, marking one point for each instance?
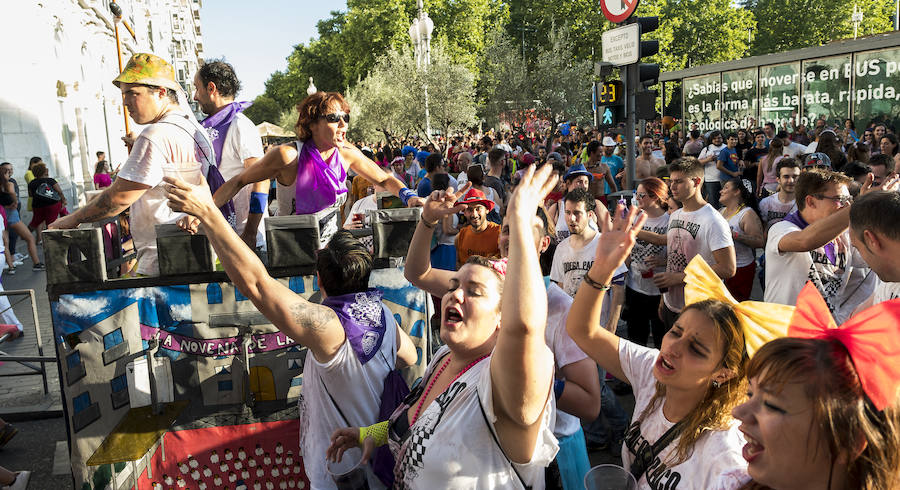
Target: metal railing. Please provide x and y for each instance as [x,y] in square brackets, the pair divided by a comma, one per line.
[27,360]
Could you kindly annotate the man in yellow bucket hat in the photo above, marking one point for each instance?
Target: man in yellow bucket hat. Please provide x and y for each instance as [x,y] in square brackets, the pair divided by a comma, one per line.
[172,138]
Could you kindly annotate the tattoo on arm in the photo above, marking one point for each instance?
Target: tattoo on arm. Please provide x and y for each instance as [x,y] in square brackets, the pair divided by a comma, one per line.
[311,316]
[103,208]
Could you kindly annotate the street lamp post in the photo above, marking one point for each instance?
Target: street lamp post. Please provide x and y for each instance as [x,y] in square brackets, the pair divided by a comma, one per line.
[420,35]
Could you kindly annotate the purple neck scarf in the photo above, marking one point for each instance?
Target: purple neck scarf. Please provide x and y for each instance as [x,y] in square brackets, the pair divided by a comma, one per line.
[363,318]
[318,182]
[798,220]
[217,127]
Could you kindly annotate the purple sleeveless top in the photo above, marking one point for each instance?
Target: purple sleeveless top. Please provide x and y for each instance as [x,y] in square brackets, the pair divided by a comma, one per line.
[318,182]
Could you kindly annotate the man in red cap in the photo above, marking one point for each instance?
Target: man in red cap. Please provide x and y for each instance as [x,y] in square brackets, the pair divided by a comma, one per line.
[480,238]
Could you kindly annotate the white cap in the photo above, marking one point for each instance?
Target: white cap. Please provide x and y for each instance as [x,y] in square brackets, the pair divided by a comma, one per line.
[607,141]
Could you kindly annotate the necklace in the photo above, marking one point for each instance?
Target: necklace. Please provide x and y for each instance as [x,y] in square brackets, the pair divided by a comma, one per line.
[735,213]
[434,379]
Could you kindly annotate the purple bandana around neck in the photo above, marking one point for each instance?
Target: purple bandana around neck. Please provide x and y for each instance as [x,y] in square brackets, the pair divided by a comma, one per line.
[318,182]
[363,317]
[217,127]
[798,220]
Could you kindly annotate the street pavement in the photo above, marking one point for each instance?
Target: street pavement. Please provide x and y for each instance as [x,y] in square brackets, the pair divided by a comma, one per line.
[40,445]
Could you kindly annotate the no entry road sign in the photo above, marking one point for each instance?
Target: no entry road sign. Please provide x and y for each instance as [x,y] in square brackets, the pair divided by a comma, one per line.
[618,10]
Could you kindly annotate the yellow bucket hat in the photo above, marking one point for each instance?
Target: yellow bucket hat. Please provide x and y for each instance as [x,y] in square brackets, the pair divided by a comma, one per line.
[148,69]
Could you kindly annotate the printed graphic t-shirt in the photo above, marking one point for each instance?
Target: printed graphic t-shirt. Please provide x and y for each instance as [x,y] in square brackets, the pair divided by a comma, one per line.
[450,447]
[484,243]
[715,453]
[699,232]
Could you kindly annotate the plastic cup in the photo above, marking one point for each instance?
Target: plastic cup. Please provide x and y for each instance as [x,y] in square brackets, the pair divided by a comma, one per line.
[186,171]
[350,472]
[609,477]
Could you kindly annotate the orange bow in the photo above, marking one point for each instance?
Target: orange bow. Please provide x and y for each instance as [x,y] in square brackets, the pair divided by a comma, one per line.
[872,338]
[760,321]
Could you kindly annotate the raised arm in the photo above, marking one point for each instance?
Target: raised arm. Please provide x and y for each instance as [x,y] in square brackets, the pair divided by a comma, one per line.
[817,234]
[274,163]
[583,323]
[114,199]
[522,364]
[362,165]
[311,325]
[417,269]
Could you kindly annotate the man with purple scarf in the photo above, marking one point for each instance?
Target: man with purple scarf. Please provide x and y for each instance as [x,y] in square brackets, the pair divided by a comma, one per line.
[236,143]
[353,340]
[812,244]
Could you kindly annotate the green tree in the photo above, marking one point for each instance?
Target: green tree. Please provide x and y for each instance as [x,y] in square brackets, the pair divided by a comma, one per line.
[792,24]
[503,81]
[264,108]
[390,102]
[696,32]
[561,82]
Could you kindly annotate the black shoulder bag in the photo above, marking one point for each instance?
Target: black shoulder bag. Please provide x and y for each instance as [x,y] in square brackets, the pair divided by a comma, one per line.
[644,458]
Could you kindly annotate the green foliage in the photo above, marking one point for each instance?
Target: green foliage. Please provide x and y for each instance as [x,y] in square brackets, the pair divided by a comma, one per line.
[264,108]
[792,24]
[503,82]
[697,32]
[562,82]
[390,102]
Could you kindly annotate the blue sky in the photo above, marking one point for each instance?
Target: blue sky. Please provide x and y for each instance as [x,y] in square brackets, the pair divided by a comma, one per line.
[257,35]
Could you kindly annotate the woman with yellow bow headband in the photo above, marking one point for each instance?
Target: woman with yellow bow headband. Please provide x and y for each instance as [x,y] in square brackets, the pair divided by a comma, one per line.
[682,432]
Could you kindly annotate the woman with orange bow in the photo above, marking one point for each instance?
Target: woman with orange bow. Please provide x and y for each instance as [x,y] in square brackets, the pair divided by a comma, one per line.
[823,409]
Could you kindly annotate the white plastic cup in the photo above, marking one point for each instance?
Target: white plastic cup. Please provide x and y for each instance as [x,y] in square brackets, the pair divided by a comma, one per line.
[189,172]
[609,477]
[350,472]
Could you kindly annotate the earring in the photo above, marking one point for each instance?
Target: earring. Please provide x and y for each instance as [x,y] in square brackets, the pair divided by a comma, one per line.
[715,384]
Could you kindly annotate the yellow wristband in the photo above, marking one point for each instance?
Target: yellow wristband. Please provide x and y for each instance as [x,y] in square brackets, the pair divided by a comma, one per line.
[378,432]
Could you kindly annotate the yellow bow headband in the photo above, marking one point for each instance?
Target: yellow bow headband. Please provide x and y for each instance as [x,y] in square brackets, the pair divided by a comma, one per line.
[761,322]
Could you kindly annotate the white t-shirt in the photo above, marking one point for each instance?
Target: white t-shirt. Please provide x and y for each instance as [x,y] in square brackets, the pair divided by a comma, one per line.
[565,351]
[242,142]
[885,291]
[699,232]
[772,210]
[710,171]
[569,267]
[449,446]
[644,250]
[159,144]
[794,149]
[743,254]
[356,389]
[788,272]
[715,453]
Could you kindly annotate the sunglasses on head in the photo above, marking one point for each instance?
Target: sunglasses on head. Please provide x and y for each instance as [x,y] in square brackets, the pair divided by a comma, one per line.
[336,116]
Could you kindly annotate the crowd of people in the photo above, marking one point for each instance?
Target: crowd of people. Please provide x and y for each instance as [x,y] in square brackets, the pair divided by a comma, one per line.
[745,291]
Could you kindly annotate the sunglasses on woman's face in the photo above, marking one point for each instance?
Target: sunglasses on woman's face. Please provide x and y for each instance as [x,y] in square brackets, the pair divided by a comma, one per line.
[337,116]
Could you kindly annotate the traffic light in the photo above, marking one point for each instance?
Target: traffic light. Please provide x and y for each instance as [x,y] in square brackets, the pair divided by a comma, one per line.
[648,73]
